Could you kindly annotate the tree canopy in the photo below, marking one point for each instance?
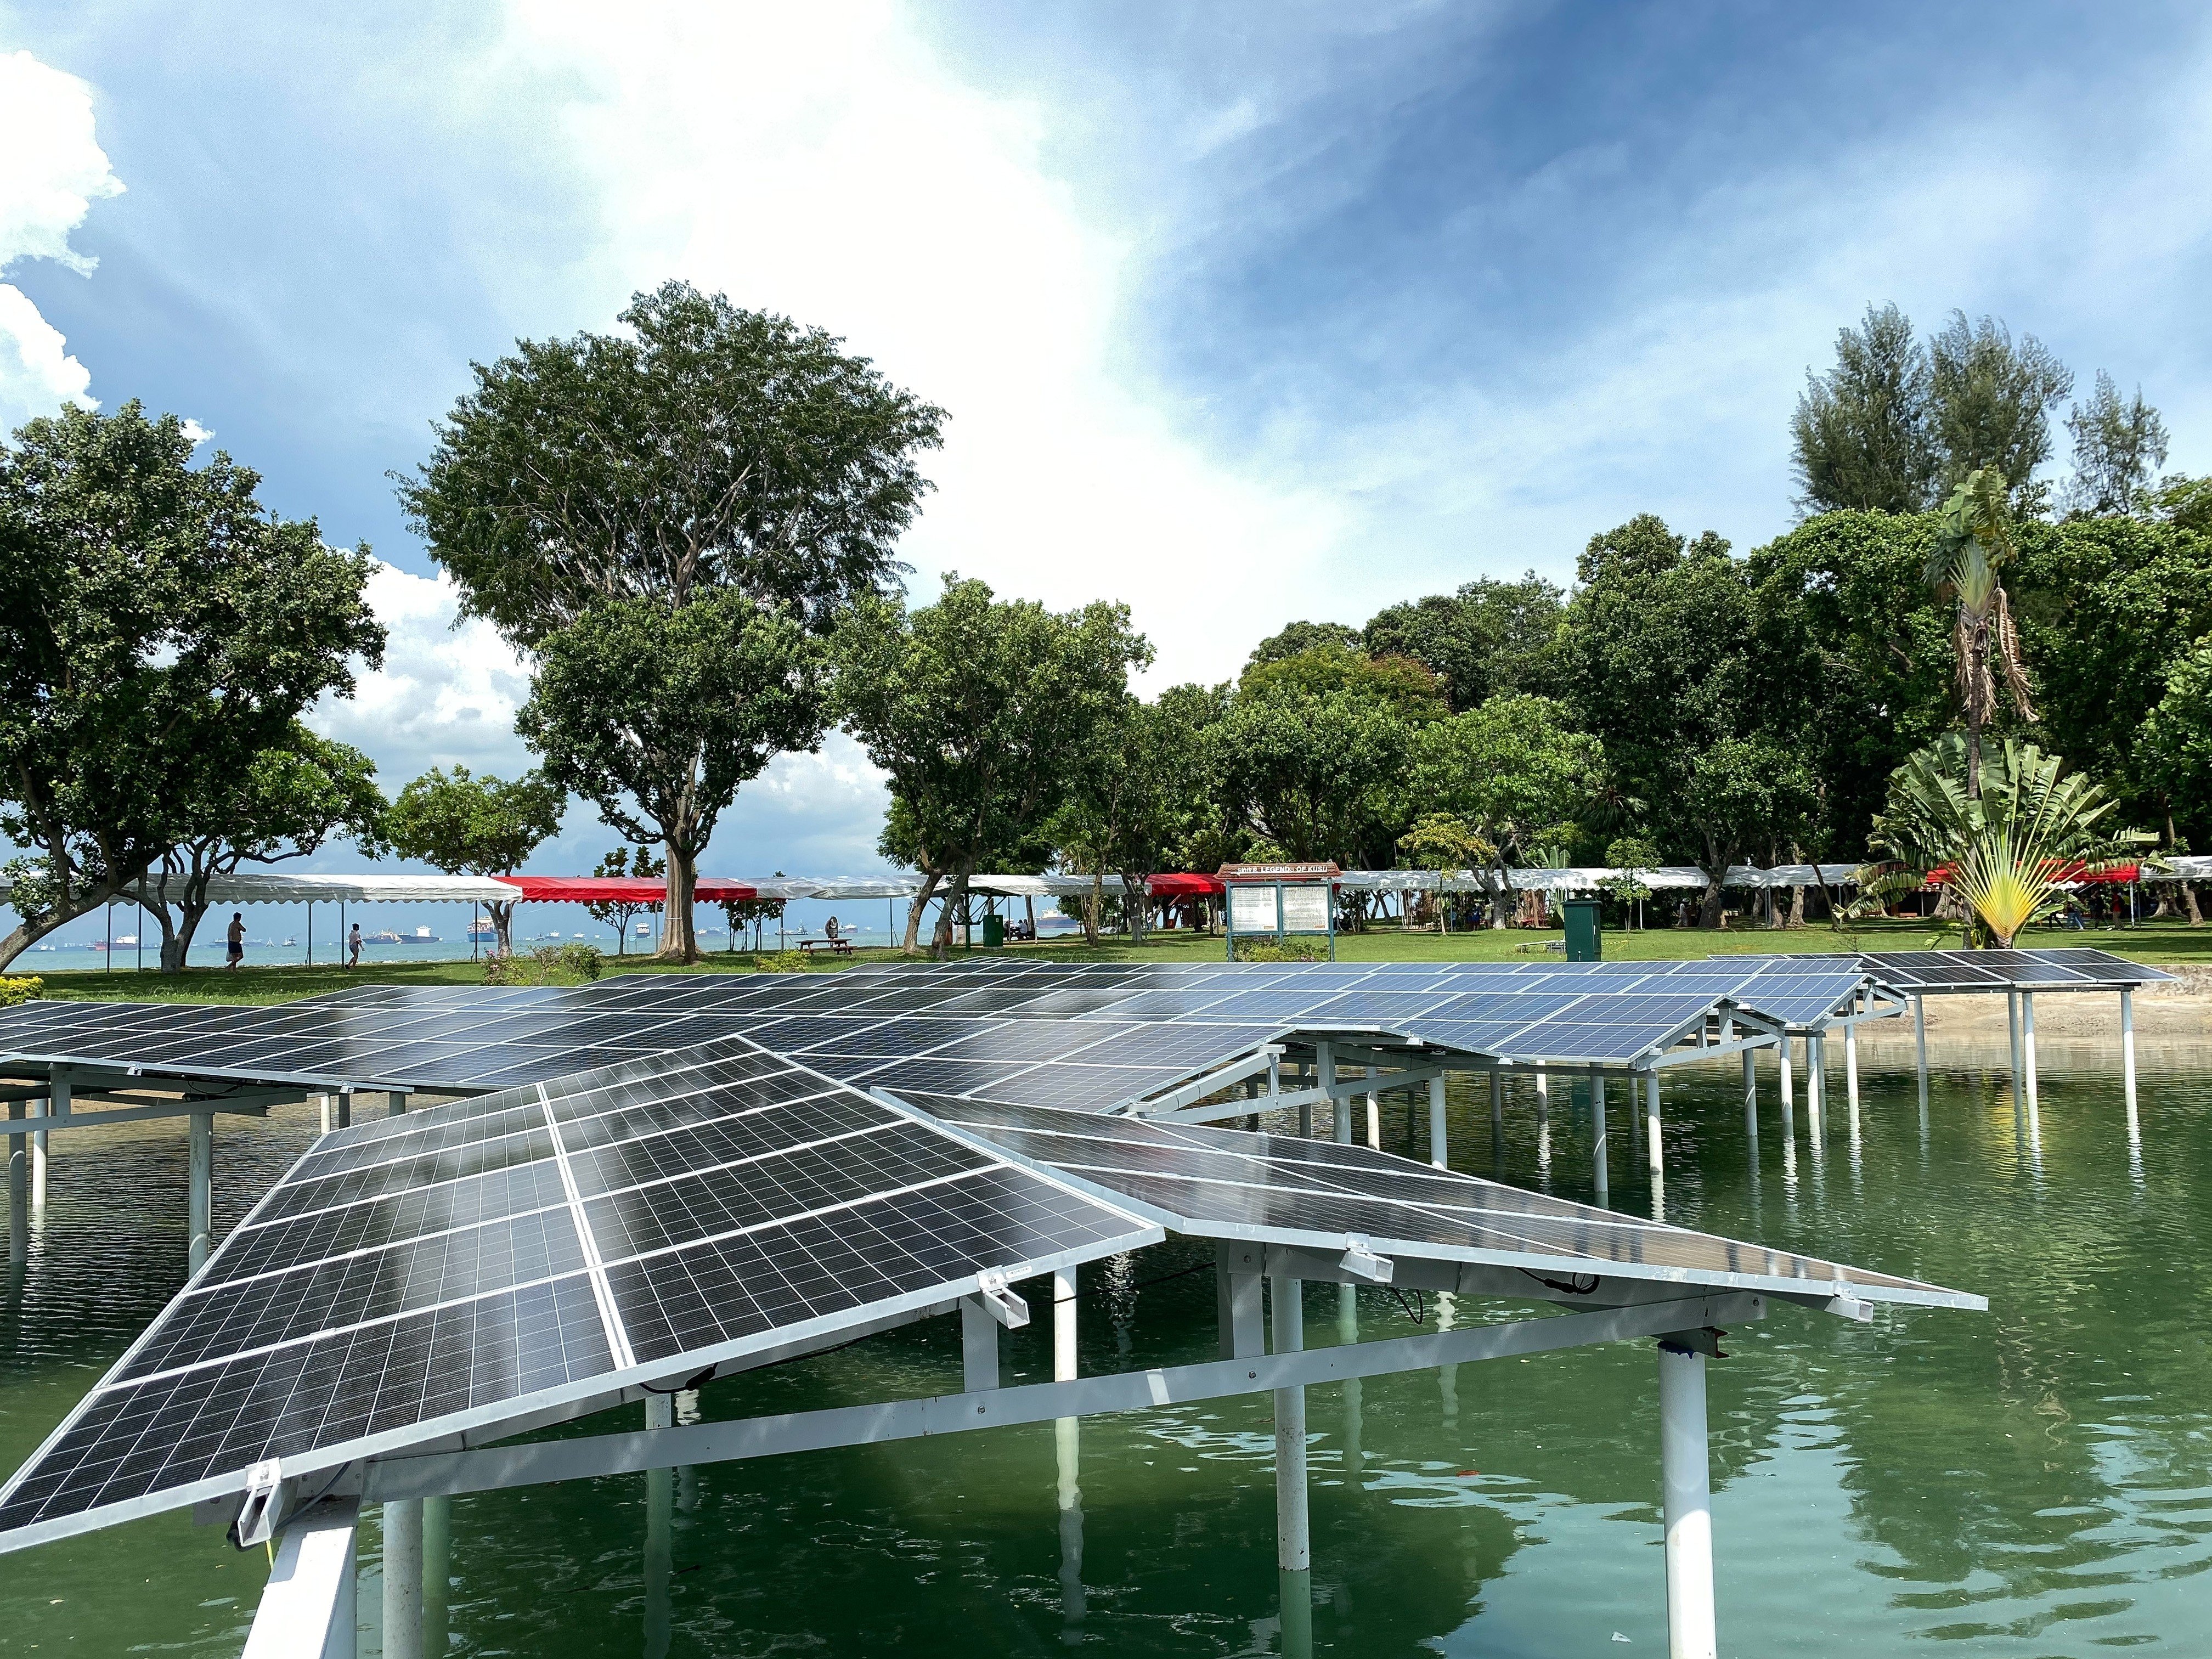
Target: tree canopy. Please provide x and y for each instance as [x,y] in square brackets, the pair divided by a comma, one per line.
[709,447]
[467,825]
[159,631]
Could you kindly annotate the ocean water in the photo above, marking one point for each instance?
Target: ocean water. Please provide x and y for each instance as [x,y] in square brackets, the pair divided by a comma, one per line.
[2033,1481]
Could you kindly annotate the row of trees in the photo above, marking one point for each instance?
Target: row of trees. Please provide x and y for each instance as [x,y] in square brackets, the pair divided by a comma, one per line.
[688,530]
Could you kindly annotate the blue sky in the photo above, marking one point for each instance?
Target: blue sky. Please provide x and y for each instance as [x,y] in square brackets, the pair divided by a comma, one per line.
[1242,313]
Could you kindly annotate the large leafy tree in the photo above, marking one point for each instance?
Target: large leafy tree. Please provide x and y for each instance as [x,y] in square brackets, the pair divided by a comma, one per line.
[658,716]
[1135,787]
[1515,772]
[1318,768]
[1862,435]
[467,825]
[709,446]
[290,800]
[159,630]
[1490,639]
[1990,400]
[1660,659]
[2119,444]
[979,710]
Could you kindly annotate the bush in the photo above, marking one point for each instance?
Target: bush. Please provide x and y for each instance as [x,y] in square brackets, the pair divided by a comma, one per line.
[783,962]
[549,964]
[1295,949]
[28,988]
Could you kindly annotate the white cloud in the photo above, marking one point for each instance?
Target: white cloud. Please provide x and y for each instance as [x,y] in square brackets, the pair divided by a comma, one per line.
[198,433]
[51,170]
[822,163]
[445,695]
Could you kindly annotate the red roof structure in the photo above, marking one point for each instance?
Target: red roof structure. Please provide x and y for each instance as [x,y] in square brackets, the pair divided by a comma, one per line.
[618,890]
[1184,886]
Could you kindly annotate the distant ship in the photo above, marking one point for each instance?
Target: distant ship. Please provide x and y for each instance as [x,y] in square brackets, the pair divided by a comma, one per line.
[424,936]
[482,931]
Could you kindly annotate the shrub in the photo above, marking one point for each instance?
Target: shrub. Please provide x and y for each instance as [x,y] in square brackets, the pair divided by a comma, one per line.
[28,987]
[1295,949]
[783,962]
[549,964]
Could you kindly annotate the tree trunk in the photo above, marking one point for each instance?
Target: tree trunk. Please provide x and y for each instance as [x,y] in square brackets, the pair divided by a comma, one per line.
[28,932]
[502,924]
[912,944]
[956,901]
[1135,903]
[1719,858]
[677,941]
[2189,902]
[1094,906]
[1503,900]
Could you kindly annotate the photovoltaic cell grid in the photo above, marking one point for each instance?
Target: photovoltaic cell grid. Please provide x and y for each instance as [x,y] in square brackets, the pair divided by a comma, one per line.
[1084,1036]
[1287,1190]
[469,1263]
[1940,973]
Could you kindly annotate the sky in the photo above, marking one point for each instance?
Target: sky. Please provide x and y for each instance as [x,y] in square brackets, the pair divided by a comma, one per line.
[1242,313]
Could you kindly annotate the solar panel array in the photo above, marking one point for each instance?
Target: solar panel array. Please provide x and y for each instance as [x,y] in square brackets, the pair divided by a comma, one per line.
[414,1276]
[1087,1036]
[1938,973]
[1290,1190]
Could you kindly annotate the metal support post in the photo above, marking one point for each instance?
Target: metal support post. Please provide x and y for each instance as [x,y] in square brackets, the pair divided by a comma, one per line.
[309,1609]
[437,1575]
[345,1108]
[1751,1093]
[323,1110]
[1063,1326]
[199,1202]
[1497,1101]
[1654,1152]
[1340,1109]
[19,1193]
[1597,1135]
[1851,1075]
[1437,1151]
[57,1104]
[1788,1089]
[2128,1049]
[2027,1044]
[395,1104]
[1237,1299]
[1347,1333]
[2012,1033]
[660,1534]
[403,1579]
[1685,1473]
[1293,1527]
[1067,1453]
[979,1346]
[1920,1048]
[1543,1096]
[1816,1087]
[1374,1112]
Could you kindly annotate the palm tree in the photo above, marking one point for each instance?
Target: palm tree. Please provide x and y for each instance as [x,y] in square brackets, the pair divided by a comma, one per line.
[2005,850]
[1973,542]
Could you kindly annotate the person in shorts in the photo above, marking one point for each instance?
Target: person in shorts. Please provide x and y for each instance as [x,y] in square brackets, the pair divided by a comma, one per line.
[236,937]
[353,947]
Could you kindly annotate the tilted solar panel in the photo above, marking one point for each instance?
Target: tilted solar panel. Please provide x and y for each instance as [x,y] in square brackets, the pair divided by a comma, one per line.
[472,1263]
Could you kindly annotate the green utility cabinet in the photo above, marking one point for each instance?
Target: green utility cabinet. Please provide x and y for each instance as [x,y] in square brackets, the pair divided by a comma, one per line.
[1585,935]
[994,931]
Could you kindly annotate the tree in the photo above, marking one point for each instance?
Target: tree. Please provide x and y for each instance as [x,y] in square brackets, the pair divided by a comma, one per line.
[1402,684]
[711,448]
[287,802]
[1991,399]
[1972,544]
[159,630]
[1635,858]
[1514,771]
[1130,804]
[1299,637]
[618,913]
[2119,447]
[2005,847]
[475,826]
[2176,747]
[658,716]
[1862,435]
[976,707]
[1446,843]
[1489,639]
[1321,775]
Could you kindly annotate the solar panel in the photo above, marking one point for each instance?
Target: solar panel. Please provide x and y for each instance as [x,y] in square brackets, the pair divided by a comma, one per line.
[1949,972]
[474,1262]
[1232,1184]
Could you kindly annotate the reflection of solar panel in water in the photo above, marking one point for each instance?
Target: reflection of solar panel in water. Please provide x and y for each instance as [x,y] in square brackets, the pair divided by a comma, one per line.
[474,1261]
[1228,1183]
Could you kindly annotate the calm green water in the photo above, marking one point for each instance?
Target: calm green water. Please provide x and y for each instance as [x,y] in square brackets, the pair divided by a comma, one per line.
[2034,1482]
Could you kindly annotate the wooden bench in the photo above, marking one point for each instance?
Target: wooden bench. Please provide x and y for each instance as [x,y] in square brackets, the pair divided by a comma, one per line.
[835,947]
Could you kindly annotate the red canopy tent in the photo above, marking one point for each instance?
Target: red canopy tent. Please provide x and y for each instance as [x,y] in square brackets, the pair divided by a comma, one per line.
[2116,875]
[618,890]
[1184,886]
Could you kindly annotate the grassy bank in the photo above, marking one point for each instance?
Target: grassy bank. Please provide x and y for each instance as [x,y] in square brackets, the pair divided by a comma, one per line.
[2152,942]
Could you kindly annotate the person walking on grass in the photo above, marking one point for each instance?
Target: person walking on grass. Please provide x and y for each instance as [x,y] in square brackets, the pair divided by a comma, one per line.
[235,934]
[353,947]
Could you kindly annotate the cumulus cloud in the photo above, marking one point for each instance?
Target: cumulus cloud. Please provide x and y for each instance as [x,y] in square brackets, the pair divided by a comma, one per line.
[54,170]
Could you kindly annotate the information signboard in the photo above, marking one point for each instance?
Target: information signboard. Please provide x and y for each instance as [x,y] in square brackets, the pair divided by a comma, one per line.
[1281,899]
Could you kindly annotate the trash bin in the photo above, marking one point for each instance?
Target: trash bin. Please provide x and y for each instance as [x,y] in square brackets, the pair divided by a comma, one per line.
[1585,937]
[994,931]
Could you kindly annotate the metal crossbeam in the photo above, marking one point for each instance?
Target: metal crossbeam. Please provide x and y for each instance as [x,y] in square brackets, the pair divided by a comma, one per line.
[129,1114]
[497,1468]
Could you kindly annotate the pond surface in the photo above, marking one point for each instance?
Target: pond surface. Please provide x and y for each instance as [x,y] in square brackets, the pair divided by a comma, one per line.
[2033,1481]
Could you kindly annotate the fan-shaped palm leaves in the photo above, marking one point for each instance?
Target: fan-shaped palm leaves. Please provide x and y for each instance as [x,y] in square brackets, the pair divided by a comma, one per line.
[2007,850]
[1972,544]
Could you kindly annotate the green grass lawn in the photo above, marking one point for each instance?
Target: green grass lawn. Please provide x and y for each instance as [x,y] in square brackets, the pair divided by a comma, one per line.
[2160,942]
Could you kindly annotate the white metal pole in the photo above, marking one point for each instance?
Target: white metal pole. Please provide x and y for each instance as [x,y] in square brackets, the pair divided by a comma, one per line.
[1374,1113]
[1816,1087]
[979,1346]
[1437,1151]
[660,1533]
[403,1579]
[1653,1152]
[19,1192]
[1497,1101]
[2012,1033]
[1788,1089]
[1851,1075]
[57,1104]
[2128,1049]
[199,1203]
[1751,1093]
[1293,1535]
[1685,1473]
[1920,1047]
[1340,1107]
[1543,1096]
[2027,1044]
[1068,1451]
[1348,1332]
[1597,1135]
[308,1610]
[323,1107]
[437,1573]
